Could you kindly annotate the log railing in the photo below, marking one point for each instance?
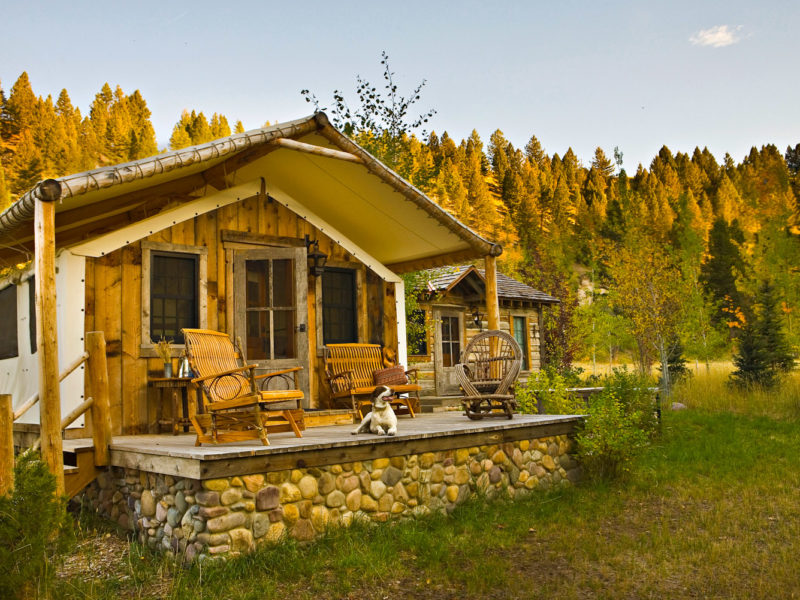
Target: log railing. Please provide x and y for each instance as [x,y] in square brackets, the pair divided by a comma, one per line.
[97,404]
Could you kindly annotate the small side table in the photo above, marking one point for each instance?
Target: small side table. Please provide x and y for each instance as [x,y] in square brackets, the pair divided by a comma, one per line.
[180,410]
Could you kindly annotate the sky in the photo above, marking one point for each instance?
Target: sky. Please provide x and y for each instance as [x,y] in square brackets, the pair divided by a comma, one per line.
[634,75]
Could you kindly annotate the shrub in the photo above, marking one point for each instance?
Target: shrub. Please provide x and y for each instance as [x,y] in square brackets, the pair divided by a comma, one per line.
[546,390]
[611,437]
[34,528]
[619,420]
[635,392]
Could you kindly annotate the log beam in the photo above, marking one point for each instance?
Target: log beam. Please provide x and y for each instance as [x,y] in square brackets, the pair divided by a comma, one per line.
[492,304]
[6,445]
[318,150]
[97,373]
[47,330]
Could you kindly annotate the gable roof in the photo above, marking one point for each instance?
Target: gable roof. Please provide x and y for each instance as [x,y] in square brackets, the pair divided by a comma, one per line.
[305,164]
[448,278]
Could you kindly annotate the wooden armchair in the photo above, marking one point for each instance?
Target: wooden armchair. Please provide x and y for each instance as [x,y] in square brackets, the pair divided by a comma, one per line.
[237,408]
[487,372]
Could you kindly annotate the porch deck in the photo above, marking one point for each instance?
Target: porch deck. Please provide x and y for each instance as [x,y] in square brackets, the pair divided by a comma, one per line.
[178,456]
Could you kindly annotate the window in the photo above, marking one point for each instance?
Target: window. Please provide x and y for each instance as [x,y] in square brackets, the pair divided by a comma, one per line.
[8,332]
[270,309]
[417,334]
[521,335]
[173,295]
[339,324]
[451,341]
[173,291]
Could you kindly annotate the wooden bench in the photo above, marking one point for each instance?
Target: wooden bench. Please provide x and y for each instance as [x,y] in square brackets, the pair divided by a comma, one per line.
[350,370]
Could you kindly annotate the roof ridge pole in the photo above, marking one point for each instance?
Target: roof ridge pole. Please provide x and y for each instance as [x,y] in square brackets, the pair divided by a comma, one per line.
[47,329]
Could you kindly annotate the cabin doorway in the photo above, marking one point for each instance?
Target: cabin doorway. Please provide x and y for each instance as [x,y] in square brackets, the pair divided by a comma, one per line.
[449,341]
[271,310]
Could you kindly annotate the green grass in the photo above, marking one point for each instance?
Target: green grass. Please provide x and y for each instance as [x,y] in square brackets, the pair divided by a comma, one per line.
[711,509]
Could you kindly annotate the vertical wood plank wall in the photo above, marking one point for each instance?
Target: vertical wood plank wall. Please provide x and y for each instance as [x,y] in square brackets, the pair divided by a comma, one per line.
[114,301]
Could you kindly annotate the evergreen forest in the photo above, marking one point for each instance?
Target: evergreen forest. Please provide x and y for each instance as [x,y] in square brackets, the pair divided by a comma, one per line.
[659,265]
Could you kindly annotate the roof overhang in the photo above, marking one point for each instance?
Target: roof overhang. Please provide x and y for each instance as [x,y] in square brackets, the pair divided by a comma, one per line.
[306,164]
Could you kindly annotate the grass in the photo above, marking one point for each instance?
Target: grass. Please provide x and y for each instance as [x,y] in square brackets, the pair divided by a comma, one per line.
[710,510]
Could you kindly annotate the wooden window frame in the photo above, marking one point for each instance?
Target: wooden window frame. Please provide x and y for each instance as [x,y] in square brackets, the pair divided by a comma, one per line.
[147,347]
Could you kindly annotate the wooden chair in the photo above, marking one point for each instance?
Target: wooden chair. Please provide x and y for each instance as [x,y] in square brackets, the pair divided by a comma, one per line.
[237,408]
[487,372]
[350,371]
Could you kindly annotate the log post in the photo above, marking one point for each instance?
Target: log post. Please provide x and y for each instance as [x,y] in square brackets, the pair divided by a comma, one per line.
[492,303]
[97,373]
[47,328]
[6,445]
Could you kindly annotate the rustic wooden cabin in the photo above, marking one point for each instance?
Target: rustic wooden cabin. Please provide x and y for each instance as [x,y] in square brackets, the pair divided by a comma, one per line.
[231,236]
[452,306]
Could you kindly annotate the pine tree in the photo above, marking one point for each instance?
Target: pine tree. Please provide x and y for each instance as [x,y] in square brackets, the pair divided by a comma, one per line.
[750,360]
[770,327]
[763,352]
[601,163]
[719,273]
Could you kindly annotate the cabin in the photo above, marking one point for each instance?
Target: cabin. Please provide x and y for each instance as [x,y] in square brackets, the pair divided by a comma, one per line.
[287,238]
[452,309]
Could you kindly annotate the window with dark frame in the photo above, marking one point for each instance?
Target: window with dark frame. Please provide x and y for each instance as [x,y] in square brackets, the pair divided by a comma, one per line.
[9,347]
[173,295]
[32,312]
[451,341]
[339,322]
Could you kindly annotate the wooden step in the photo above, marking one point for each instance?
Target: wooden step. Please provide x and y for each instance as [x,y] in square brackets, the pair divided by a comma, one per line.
[440,403]
[79,468]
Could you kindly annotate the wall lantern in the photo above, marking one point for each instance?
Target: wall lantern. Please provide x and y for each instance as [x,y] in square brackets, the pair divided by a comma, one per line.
[316,258]
[477,318]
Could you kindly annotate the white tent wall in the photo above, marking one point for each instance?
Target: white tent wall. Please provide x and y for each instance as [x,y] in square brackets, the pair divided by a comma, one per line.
[19,376]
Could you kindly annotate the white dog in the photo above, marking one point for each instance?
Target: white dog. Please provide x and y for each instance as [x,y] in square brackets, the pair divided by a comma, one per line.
[382,420]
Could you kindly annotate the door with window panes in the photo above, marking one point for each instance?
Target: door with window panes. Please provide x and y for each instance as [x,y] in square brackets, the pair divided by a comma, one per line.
[449,341]
[271,310]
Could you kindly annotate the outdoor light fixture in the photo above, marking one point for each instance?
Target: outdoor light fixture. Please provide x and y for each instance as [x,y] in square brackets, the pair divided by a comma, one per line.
[476,318]
[316,258]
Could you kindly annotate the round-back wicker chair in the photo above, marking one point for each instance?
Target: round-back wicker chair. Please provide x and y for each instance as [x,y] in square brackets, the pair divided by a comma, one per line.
[487,372]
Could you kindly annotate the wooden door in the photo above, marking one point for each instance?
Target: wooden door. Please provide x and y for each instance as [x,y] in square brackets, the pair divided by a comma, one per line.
[449,343]
[271,310]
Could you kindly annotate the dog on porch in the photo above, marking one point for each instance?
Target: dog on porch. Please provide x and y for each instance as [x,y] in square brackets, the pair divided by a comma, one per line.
[381,420]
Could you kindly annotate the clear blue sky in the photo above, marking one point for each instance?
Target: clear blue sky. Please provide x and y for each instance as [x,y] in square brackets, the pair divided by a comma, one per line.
[635,75]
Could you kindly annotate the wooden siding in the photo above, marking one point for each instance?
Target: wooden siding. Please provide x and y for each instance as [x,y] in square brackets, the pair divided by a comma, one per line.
[114,300]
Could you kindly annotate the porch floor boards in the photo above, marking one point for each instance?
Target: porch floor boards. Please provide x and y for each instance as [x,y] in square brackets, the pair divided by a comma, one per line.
[177,455]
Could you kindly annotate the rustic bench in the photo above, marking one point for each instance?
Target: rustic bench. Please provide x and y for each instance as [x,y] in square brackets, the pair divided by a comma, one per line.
[350,373]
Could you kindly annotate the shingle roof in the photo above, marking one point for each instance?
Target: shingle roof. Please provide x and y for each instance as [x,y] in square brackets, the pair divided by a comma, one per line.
[507,287]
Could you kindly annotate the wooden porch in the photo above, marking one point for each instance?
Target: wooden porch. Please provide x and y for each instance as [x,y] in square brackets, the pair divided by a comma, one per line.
[178,456]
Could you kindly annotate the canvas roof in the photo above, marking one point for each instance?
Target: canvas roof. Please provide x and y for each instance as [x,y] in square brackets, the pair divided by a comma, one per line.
[446,279]
[347,194]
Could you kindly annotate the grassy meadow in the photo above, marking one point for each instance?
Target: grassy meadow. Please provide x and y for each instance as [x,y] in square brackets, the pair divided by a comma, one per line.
[710,510]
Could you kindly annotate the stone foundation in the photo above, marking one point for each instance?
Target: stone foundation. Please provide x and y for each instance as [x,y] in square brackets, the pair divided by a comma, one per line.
[225,517]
